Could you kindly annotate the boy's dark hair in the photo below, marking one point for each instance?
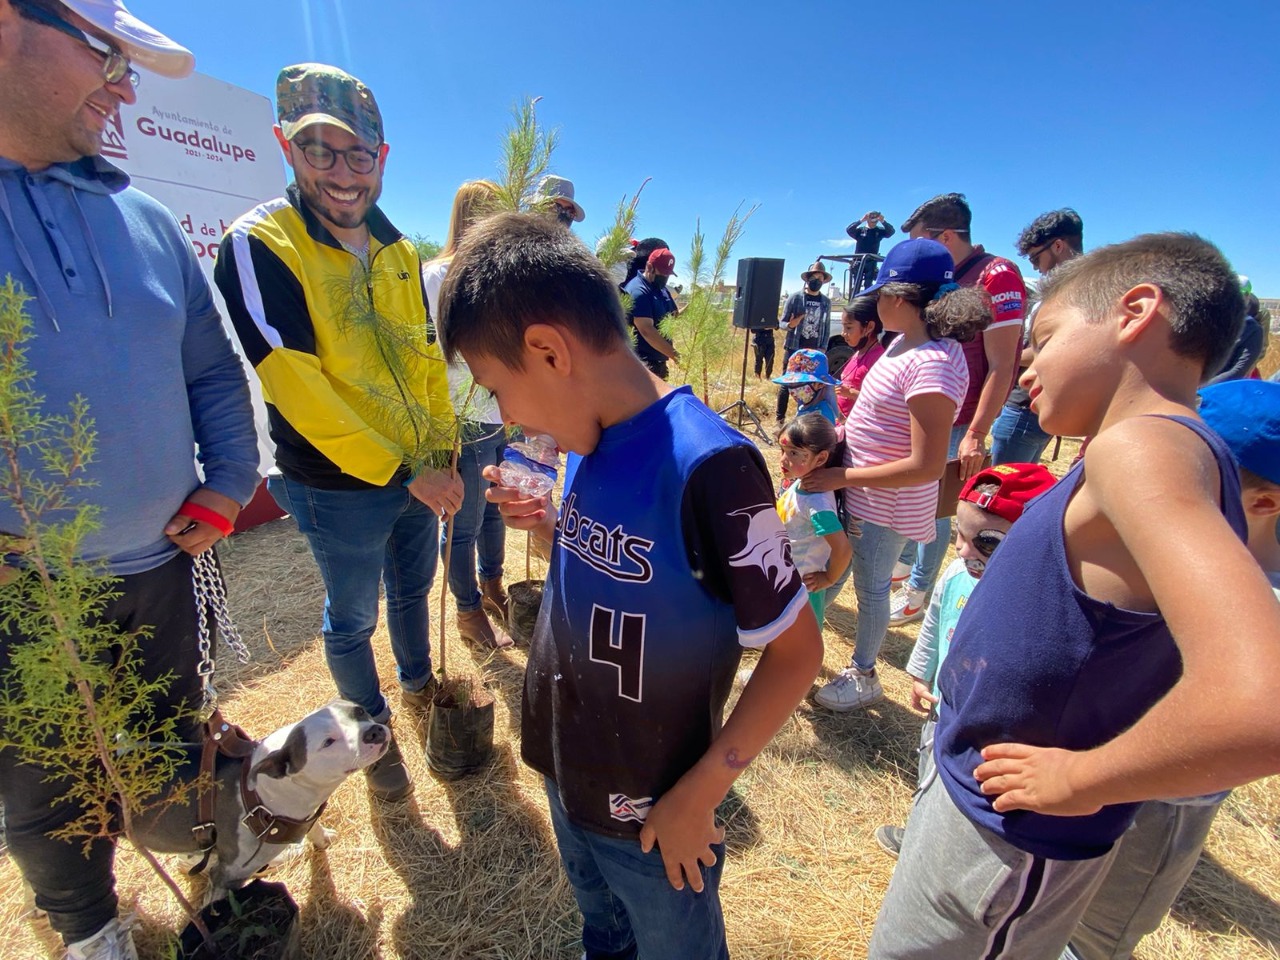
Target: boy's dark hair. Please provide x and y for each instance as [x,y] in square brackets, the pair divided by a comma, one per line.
[812,432]
[517,269]
[1064,224]
[947,211]
[1254,481]
[1206,307]
[1251,306]
[961,314]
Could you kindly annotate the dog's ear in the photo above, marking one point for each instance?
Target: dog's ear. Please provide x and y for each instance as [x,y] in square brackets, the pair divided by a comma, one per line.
[286,761]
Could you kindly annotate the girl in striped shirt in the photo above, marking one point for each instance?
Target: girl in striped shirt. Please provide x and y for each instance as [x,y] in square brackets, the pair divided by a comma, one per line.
[896,440]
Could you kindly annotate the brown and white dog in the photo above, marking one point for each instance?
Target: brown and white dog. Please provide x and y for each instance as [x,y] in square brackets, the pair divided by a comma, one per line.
[293,770]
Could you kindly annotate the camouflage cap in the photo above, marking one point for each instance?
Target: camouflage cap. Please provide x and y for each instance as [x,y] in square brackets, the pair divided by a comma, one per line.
[308,93]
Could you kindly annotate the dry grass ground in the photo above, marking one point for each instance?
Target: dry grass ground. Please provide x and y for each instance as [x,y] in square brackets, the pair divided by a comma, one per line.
[469,870]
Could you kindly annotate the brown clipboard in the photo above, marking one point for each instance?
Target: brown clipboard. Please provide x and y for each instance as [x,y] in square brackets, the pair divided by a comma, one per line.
[949,491]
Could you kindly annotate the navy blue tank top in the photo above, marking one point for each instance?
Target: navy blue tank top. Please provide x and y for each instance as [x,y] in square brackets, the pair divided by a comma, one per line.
[1036,660]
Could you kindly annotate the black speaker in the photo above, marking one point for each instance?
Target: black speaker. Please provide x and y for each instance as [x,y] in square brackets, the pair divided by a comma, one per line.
[755,304]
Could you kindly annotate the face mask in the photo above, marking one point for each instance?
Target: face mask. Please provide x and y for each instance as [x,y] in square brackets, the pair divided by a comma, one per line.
[564,215]
[805,394]
[659,281]
[814,285]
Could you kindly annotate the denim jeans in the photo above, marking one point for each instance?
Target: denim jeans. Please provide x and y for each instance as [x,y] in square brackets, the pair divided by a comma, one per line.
[630,911]
[477,530]
[74,883]
[361,538]
[926,558]
[1016,436]
[875,550]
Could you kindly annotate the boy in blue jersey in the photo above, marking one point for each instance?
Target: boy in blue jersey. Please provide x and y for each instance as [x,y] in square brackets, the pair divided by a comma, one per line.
[667,558]
[1089,668]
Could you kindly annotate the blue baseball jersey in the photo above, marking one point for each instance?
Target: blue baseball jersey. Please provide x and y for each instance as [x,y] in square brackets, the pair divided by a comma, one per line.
[668,558]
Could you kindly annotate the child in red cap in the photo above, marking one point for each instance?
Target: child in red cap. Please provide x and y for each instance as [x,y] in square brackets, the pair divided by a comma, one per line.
[990,502]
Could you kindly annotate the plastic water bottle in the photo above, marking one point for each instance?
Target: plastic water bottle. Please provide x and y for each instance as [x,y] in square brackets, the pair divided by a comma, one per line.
[530,465]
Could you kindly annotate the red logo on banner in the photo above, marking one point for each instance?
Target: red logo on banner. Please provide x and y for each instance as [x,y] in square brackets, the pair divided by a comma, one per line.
[113,140]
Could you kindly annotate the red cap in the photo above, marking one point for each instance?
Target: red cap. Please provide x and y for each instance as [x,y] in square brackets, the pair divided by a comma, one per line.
[663,261]
[1019,483]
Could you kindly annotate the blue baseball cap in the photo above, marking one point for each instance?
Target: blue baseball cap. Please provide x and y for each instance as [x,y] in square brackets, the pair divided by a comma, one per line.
[1246,415]
[915,261]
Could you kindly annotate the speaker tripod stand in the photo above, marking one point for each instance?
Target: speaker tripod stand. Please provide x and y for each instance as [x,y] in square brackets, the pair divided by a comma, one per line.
[740,404]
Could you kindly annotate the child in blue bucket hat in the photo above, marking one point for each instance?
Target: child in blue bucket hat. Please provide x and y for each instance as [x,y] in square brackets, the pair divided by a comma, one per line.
[810,383]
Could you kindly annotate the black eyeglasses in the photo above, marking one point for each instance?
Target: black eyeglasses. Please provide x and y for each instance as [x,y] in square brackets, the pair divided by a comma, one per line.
[359,159]
[1033,256]
[115,65]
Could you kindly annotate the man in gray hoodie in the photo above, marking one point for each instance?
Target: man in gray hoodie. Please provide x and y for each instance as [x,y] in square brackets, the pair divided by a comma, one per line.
[122,316]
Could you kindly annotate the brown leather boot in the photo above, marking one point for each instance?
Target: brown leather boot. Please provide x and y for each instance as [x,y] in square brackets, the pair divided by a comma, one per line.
[474,627]
[494,598]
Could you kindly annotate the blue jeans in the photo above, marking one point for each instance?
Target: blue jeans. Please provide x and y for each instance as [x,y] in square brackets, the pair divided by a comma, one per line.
[875,550]
[477,530]
[926,558]
[1016,436]
[359,539]
[630,911]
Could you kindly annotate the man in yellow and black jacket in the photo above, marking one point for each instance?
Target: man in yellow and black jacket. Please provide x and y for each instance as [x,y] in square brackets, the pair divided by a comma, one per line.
[326,298]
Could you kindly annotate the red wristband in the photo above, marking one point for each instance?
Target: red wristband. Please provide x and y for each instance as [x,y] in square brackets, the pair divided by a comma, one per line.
[196,512]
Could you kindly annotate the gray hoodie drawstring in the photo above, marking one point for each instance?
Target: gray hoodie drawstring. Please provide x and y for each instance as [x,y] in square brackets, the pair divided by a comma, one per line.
[25,257]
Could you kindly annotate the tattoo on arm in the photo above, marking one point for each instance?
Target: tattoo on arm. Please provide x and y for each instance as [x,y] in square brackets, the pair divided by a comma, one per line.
[734,762]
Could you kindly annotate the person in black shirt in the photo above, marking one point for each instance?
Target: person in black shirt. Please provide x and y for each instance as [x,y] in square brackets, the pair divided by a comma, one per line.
[869,231]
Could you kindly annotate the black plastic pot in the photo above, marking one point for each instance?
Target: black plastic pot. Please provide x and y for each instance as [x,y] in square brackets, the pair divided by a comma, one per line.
[460,731]
[524,602]
[256,922]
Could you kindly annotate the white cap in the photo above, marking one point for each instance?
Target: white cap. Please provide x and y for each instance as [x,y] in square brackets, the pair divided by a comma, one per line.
[142,44]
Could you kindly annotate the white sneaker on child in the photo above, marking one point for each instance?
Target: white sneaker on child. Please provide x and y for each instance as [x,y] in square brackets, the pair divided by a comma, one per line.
[907,606]
[851,689]
[112,942]
[900,573]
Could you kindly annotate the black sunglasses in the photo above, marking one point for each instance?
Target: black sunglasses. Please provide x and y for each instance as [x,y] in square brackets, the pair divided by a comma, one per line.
[115,65]
[986,541]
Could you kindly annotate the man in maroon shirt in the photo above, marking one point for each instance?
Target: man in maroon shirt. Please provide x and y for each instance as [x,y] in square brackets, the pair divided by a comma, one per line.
[992,358]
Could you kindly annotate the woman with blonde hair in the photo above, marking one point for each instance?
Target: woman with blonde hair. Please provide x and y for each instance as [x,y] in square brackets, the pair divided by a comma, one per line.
[477,531]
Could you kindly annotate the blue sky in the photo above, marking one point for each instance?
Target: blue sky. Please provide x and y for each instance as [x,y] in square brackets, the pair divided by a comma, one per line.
[1142,115]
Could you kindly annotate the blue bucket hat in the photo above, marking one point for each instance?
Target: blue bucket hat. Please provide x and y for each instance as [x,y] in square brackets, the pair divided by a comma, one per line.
[806,366]
[915,261]
[1246,415]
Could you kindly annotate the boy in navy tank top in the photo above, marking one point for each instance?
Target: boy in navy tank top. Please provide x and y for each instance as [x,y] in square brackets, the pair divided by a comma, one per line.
[667,557]
[1089,670]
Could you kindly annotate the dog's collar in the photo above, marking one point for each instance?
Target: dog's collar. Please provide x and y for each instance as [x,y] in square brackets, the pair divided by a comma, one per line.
[229,740]
[271,827]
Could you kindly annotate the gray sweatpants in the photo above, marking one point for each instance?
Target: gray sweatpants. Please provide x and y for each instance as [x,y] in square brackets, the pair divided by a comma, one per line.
[1152,863]
[962,893]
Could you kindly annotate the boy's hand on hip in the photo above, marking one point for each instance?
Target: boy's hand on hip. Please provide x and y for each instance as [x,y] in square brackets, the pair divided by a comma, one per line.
[684,831]
[1038,779]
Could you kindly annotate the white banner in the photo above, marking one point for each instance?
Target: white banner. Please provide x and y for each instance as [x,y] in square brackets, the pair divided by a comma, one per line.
[203,148]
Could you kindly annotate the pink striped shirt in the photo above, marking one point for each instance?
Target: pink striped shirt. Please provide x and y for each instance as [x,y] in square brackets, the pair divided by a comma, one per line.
[879,431]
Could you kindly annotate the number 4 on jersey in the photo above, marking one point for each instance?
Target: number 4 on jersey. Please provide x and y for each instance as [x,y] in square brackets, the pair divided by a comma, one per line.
[624,651]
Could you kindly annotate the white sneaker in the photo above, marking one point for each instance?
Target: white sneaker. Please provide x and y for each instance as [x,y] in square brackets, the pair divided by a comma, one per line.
[907,606]
[112,942]
[901,571]
[851,689]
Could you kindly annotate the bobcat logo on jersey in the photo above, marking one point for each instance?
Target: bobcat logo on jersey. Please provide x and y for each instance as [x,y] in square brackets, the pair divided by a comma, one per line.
[614,552]
[622,807]
[767,546]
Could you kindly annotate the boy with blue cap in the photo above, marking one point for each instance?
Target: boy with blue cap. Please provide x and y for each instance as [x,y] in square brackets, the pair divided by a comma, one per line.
[808,380]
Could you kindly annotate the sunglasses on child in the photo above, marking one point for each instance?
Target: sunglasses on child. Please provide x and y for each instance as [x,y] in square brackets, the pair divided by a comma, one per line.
[986,541]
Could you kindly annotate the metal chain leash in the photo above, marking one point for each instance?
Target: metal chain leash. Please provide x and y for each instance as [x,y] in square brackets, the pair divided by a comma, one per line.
[211,595]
